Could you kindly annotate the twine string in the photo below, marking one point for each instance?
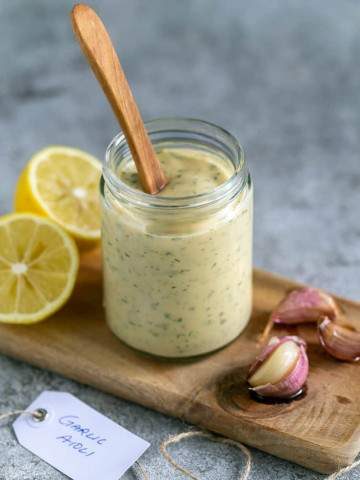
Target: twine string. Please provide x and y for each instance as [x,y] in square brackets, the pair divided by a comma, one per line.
[34,414]
[142,474]
[198,433]
[341,472]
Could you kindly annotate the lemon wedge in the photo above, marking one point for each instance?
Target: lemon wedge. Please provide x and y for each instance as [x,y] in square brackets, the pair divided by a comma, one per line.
[38,268]
[62,183]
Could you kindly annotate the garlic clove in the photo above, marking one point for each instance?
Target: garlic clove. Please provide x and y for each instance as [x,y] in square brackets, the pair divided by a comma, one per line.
[278,365]
[281,369]
[304,305]
[341,342]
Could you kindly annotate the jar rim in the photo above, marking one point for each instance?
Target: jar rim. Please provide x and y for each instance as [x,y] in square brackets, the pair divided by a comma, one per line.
[204,129]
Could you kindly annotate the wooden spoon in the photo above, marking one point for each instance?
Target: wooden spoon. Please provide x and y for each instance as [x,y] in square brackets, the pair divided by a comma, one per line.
[97,47]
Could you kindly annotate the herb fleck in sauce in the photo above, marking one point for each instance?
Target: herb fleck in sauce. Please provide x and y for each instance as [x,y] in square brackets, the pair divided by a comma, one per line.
[186,170]
[179,284]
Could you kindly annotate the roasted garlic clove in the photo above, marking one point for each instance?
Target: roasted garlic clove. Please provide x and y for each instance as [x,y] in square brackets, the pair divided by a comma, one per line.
[339,341]
[304,305]
[281,369]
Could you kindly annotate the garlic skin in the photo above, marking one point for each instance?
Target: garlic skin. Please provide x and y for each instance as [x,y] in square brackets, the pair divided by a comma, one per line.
[304,305]
[340,342]
[281,369]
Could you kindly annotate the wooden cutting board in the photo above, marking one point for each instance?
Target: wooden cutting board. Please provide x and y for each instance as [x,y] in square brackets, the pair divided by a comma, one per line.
[320,431]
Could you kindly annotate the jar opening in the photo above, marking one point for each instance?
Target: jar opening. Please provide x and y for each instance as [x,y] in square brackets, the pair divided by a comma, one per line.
[188,133]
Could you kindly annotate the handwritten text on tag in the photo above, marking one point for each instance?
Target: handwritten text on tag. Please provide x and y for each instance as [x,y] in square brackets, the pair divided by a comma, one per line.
[77,440]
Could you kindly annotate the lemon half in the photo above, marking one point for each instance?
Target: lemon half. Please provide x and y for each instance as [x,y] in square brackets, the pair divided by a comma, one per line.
[38,268]
[62,183]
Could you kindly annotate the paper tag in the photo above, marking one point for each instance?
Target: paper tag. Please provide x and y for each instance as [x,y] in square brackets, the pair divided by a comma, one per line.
[78,440]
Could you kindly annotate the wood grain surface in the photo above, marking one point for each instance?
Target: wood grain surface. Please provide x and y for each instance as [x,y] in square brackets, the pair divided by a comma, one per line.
[97,47]
[321,431]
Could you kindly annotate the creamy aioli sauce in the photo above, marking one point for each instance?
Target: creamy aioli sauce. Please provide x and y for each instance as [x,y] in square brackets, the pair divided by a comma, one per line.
[179,284]
[189,172]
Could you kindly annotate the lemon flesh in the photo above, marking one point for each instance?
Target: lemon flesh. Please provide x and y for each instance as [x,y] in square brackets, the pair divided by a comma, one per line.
[38,268]
[62,183]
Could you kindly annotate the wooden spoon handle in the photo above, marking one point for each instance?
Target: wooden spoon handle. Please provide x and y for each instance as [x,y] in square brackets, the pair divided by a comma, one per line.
[96,45]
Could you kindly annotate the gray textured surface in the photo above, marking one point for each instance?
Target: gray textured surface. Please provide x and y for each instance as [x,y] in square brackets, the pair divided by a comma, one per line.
[283,76]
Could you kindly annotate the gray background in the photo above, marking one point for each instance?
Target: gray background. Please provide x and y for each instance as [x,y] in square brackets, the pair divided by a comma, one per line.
[282,75]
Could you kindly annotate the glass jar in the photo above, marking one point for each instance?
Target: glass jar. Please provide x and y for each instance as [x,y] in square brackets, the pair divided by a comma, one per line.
[178,270]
